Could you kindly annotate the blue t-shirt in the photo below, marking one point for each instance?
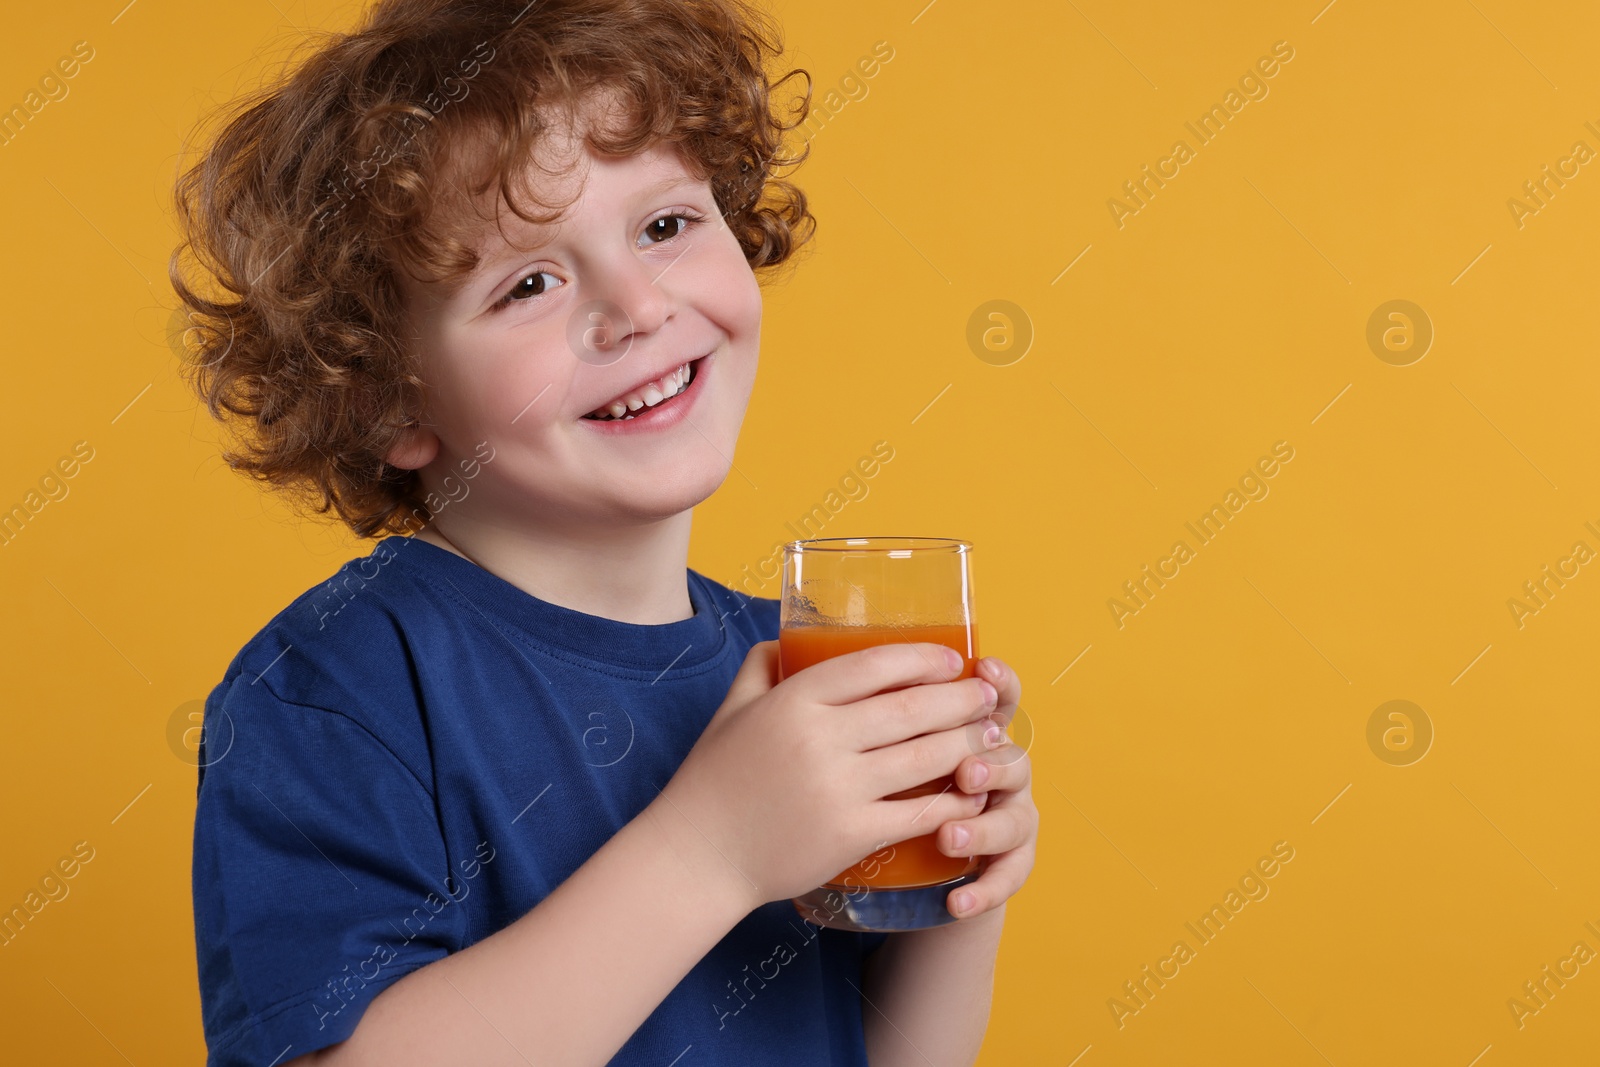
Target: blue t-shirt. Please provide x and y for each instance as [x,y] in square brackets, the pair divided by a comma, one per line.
[411,756]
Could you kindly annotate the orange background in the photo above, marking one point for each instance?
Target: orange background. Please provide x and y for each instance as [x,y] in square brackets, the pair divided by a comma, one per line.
[1229,313]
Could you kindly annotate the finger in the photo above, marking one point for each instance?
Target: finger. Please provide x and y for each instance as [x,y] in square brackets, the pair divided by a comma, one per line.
[898,820]
[999,882]
[920,760]
[1005,680]
[757,675]
[1005,769]
[1000,828]
[919,709]
[853,676]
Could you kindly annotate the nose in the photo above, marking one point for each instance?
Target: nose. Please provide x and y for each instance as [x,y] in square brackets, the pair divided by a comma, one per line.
[632,287]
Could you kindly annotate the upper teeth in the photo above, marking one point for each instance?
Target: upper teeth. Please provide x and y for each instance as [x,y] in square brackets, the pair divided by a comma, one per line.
[648,395]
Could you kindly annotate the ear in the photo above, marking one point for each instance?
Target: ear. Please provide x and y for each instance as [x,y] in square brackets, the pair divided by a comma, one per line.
[416,448]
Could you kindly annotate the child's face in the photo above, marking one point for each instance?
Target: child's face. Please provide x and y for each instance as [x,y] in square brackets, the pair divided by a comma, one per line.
[513,356]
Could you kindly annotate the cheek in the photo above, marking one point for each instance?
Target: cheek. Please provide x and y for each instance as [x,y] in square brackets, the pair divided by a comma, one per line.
[737,313]
[742,322]
[753,307]
[521,375]
[732,295]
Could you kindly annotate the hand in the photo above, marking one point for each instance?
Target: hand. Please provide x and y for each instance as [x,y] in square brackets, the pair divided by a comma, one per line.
[1008,829]
[788,779]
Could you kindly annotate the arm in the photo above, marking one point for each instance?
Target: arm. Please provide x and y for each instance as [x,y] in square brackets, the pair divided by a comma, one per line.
[807,762]
[571,980]
[926,993]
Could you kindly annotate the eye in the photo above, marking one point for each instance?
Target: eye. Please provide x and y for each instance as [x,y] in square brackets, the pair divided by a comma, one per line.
[530,285]
[665,228]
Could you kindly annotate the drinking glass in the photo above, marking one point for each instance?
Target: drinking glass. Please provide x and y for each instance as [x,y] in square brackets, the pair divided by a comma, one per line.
[841,594]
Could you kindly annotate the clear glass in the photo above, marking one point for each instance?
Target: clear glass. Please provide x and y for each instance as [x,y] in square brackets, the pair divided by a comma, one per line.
[841,594]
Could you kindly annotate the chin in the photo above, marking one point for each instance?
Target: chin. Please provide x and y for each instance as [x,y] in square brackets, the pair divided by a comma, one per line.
[665,498]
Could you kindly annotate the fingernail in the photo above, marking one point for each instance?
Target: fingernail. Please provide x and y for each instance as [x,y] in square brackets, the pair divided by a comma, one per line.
[991,696]
[994,736]
[964,901]
[953,658]
[992,665]
[959,837]
[980,774]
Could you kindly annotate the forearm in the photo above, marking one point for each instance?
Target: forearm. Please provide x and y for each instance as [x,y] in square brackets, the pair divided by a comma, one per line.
[927,993]
[572,979]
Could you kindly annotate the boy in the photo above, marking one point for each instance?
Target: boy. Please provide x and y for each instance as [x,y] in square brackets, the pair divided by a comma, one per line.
[522,787]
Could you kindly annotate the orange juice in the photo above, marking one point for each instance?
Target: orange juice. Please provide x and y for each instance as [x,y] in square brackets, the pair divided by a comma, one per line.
[915,861]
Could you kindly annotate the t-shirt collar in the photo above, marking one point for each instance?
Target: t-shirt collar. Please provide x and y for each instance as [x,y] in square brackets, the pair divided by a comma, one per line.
[653,647]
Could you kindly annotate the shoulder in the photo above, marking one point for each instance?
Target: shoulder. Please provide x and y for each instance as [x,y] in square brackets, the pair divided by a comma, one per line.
[344,631]
[347,645]
[754,618]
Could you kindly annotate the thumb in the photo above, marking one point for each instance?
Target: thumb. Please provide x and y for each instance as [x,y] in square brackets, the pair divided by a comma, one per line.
[757,676]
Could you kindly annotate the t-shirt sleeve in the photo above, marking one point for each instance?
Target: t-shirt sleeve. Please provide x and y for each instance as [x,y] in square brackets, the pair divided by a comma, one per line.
[320,876]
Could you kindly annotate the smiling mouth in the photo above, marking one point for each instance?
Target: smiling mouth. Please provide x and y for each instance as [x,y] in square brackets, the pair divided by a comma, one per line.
[664,390]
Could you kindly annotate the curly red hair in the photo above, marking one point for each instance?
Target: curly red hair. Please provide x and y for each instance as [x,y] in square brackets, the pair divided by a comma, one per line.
[321,187]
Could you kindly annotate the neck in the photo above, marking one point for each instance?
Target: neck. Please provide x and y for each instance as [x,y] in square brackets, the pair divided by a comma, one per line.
[630,574]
